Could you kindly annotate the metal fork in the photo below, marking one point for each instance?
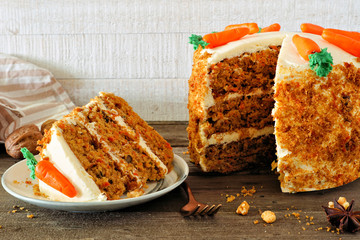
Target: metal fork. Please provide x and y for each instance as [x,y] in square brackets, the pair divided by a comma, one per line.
[193,207]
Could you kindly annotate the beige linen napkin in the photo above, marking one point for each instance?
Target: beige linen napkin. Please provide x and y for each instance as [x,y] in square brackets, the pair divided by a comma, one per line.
[28,94]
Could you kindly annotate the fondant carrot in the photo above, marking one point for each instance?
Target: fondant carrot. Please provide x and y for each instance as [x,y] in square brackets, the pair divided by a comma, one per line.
[221,38]
[311,28]
[253,27]
[49,174]
[272,28]
[348,44]
[355,35]
[305,46]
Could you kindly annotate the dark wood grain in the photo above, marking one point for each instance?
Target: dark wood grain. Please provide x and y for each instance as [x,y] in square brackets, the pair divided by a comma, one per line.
[160,218]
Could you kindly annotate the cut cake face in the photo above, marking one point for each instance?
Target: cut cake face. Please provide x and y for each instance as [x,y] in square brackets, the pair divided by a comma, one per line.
[231,96]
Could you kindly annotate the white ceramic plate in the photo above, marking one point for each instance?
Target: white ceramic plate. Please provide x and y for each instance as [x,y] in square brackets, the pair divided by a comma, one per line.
[14,182]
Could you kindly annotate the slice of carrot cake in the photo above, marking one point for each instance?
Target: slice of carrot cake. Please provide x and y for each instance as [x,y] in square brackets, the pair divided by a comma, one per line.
[105,150]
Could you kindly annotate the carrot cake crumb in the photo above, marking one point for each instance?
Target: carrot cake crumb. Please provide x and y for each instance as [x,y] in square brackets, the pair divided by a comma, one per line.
[249,192]
[243,208]
[256,221]
[230,198]
[273,165]
[268,216]
[296,215]
[30,216]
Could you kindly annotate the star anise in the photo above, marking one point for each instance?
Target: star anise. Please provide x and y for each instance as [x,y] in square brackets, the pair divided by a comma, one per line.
[344,219]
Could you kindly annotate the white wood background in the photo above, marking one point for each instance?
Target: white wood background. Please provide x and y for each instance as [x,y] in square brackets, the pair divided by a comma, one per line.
[139,49]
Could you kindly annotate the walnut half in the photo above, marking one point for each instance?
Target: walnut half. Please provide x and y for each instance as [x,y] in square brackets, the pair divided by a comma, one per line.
[26,136]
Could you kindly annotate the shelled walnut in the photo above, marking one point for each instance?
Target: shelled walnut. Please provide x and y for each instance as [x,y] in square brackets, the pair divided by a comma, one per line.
[26,136]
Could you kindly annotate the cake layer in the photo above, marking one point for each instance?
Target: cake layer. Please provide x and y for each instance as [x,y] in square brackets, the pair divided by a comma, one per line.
[244,73]
[242,112]
[237,155]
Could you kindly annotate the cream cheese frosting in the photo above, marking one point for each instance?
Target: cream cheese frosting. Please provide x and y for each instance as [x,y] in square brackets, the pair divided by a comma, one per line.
[66,162]
[289,56]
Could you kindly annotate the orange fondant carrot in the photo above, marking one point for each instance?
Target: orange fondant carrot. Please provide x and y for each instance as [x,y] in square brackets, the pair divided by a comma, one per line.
[311,28]
[355,35]
[272,28]
[221,38]
[49,174]
[305,46]
[348,44]
[253,27]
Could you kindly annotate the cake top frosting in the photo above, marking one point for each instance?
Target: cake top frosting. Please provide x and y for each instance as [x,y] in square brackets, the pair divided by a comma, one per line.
[289,55]
[340,50]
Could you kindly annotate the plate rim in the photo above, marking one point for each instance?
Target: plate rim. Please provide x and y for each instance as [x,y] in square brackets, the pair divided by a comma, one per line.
[111,203]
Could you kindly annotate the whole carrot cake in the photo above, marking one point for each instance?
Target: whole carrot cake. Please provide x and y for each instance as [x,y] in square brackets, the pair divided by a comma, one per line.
[256,97]
[104,149]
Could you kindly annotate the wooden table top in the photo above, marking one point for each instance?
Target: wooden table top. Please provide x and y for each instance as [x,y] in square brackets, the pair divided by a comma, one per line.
[160,218]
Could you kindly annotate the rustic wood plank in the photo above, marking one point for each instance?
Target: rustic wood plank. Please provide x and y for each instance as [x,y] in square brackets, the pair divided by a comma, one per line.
[19,17]
[160,218]
[105,56]
[153,100]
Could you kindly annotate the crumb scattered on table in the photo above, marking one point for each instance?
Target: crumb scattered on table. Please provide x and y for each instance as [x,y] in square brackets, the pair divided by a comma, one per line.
[243,208]
[268,216]
[230,198]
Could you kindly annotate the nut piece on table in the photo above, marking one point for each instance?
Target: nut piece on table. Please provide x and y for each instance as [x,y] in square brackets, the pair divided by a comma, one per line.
[47,125]
[243,208]
[342,201]
[26,136]
[268,216]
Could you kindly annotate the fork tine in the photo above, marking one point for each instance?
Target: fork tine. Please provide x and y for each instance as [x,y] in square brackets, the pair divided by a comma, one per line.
[202,211]
[214,210]
[210,209]
[189,213]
